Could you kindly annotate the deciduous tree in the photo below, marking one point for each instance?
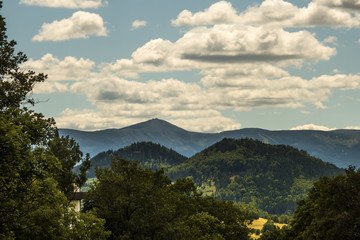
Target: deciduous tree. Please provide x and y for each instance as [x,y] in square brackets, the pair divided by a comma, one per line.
[34,173]
[139,203]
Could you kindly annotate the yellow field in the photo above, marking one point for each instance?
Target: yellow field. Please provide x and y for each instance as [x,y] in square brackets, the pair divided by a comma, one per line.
[259,223]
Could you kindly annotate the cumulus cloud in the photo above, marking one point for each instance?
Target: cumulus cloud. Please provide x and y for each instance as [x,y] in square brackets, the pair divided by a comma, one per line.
[223,45]
[190,103]
[138,24]
[353,127]
[351,5]
[119,102]
[213,124]
[276,13]
[220,12]
[65,3]
[80,25]
[89,119]
[242,61]
[312,127]
[68,69]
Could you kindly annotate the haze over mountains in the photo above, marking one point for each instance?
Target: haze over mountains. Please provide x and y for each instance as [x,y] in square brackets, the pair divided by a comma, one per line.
[340,147]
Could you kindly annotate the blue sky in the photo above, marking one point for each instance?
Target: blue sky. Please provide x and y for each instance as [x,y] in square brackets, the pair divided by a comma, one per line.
[204,65]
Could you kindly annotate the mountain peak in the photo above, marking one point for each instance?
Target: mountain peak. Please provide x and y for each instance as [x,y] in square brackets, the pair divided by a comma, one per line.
[155,124]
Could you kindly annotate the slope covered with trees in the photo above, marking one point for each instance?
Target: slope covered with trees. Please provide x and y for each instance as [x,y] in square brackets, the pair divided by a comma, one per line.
[148,154]
[270,177]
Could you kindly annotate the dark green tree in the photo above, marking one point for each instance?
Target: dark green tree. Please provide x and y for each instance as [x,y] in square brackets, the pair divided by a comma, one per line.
[268,226]
[331,211]
[67,151]
[139,203]
[32,203]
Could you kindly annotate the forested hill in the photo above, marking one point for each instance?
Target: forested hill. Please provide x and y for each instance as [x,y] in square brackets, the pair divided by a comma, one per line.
[148,154]
[341,147]
[270,177]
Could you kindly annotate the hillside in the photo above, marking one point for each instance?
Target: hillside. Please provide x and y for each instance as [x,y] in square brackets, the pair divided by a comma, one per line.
[341,147]
[149,155]
[271,177]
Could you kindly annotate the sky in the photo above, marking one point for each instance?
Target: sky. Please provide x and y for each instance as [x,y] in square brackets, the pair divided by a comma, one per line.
[205,66]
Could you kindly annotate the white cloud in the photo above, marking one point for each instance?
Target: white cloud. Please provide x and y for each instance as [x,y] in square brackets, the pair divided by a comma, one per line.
[65,3]
[241,67]
[305,112]
[223,46]
[353,127]
[312,127]
[331,40]
[80,25]
[120,102]
[213,124]
[138,24]
[350,5]
[220,12]
[68,69]
[275,13]
[359,40]
[89,119]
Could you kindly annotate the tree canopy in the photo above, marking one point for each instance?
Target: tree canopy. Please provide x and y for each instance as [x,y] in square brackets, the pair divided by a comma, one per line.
[139,203]
[331,211]
[36,178]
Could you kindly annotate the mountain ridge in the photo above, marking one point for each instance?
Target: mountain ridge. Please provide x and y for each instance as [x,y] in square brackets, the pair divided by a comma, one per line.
[340,147]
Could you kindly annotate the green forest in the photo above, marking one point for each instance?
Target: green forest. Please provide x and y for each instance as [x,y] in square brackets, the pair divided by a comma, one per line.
[212,195]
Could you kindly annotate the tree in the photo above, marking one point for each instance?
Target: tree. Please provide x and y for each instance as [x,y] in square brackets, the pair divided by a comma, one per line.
[15,85]
[34,174]
[331,211]
[139,203]
[67,151]
[268,226]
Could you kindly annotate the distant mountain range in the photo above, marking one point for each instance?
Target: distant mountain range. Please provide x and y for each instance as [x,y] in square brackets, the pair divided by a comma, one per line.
[340,147]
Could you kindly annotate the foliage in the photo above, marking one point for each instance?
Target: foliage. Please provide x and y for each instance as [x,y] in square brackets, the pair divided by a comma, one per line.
[270,177]
[139,203]
[268,226]
[67,151]
[331,211]
[32,200]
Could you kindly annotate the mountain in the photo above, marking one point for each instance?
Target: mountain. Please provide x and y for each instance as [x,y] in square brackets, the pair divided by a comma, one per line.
[148,154]
[155,130]
[341,147]
[270,177]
